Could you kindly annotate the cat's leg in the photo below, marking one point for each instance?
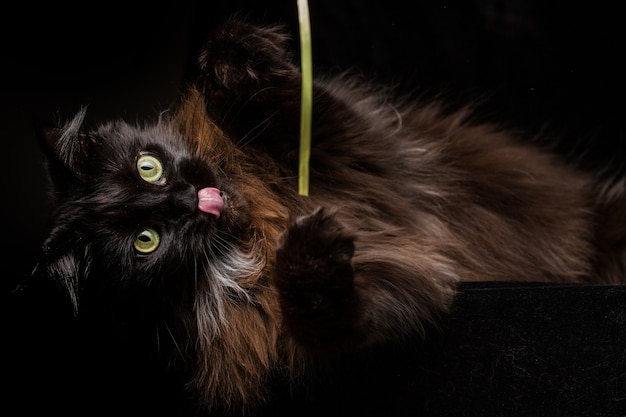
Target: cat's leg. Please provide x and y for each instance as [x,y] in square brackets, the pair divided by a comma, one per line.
[251,86]
[252,90]
[315,279]
[339,293]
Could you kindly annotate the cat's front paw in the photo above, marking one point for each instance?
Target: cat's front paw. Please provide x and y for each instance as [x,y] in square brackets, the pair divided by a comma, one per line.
[241,59]
[315,276]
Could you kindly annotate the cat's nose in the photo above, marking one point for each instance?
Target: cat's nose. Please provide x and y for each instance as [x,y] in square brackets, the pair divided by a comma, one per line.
[185,199]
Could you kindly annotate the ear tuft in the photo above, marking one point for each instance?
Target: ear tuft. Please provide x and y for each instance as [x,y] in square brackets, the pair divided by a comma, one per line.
[65,270]
[68,150]
[65,261]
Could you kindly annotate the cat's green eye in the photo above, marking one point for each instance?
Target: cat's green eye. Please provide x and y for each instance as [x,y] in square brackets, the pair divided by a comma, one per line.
[147,240]
[150,168]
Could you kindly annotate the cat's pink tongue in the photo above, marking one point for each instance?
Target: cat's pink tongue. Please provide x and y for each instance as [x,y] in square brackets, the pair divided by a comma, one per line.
[210,201]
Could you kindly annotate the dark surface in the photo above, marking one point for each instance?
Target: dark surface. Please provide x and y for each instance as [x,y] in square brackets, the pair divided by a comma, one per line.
[514,350]
[542,66]
[505,350]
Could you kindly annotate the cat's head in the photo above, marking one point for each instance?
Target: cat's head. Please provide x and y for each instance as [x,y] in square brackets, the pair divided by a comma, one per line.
[139,209]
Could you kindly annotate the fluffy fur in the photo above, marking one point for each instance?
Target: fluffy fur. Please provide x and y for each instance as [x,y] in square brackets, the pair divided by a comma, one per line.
[406,200]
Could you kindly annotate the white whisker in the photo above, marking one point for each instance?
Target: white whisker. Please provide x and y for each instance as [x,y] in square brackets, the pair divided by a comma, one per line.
[169,332]
[240,108]
[259,128]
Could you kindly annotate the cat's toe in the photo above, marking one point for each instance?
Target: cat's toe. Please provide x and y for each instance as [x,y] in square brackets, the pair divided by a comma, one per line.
[322,237]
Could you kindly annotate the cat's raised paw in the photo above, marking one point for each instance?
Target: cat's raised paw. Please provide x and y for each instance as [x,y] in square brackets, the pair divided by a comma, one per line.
[314,265]
[242,58]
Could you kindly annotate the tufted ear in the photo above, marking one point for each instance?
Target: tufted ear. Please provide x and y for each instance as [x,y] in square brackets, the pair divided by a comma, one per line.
[65,260]
[68,151]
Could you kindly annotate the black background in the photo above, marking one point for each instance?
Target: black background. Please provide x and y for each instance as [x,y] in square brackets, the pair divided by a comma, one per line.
[540,66]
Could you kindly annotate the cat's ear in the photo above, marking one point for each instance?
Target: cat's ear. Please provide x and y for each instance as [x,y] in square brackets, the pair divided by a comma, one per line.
[69,149]
[65,260]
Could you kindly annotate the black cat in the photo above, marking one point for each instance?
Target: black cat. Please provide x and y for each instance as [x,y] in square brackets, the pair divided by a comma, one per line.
[199,216]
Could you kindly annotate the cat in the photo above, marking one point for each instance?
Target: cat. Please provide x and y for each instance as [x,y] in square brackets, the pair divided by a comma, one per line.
[198,215]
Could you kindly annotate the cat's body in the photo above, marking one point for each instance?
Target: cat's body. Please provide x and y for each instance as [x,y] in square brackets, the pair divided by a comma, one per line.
[200,214]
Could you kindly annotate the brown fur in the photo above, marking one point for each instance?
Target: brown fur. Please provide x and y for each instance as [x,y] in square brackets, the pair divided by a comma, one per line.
[406,200]
[428,198]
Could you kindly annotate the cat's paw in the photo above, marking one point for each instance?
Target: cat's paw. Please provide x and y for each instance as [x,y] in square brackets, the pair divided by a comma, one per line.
[241,58]
[315,276]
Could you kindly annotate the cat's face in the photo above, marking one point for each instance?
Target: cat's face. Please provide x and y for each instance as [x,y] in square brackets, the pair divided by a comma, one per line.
[139,208]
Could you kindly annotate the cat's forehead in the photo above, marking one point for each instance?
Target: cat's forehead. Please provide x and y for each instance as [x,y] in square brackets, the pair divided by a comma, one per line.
[159,138]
